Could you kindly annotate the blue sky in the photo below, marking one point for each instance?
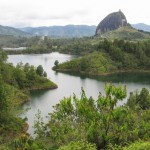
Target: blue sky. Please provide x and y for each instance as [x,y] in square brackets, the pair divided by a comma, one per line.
[21,13]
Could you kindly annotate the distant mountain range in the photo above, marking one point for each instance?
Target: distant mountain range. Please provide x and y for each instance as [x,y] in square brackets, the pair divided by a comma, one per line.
[71,31]
[5,30]
[68,31]
[141,26]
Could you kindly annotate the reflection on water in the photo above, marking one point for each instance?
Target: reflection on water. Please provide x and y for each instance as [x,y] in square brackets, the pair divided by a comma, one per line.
[71,83]
[135,77]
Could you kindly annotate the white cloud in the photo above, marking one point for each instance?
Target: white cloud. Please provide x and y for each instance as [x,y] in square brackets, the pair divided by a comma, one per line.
[21,13]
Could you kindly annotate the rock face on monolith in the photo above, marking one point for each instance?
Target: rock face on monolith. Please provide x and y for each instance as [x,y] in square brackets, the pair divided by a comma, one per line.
[111,22]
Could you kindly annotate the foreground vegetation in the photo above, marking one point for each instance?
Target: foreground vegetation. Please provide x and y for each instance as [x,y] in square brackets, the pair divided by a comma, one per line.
[86,123]
[14,85]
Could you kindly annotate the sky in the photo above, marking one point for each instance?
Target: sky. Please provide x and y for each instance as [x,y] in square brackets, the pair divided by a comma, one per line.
[34,13]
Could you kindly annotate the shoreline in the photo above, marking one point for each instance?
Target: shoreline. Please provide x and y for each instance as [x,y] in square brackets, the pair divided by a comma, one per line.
[104,73]
[41,88]
[27,91]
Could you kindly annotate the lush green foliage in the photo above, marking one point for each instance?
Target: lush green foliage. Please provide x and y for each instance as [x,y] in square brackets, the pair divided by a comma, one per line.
[46,45]
[141,100]
[10,124]
[128,54]
[79,145]
[12,41]
[78,46]
[94,63]
[138,146]
[56,63]
[25,76]
[126,33]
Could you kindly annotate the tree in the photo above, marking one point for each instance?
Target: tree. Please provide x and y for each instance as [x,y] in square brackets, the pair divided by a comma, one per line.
[3,97]
[141,100]
[79,145]
[56,63]
[84,64]
[107,45]
[45,74]
[3,56]
[31,76]
[144,99]
[20,78]
[40,70]
[26,67]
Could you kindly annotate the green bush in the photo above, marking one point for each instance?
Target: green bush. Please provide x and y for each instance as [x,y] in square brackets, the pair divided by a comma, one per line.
[79,145]
[138,146]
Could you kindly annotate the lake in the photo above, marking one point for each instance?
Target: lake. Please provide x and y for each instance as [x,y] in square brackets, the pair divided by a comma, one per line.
[14,49]
[71,83]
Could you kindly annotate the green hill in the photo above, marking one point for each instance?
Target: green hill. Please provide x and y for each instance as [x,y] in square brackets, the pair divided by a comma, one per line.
[126,33]
[95,63]
[5,30]
[111,57]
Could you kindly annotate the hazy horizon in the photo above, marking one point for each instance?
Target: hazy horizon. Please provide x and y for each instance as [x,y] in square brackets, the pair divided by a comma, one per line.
[37,13]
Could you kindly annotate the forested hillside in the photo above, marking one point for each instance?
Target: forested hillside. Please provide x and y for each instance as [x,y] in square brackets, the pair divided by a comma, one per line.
[5,30]
[110,57]
[126,33]
[77,46]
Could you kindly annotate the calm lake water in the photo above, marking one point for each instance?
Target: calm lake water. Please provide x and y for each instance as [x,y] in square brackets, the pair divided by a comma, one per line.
[71,83]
